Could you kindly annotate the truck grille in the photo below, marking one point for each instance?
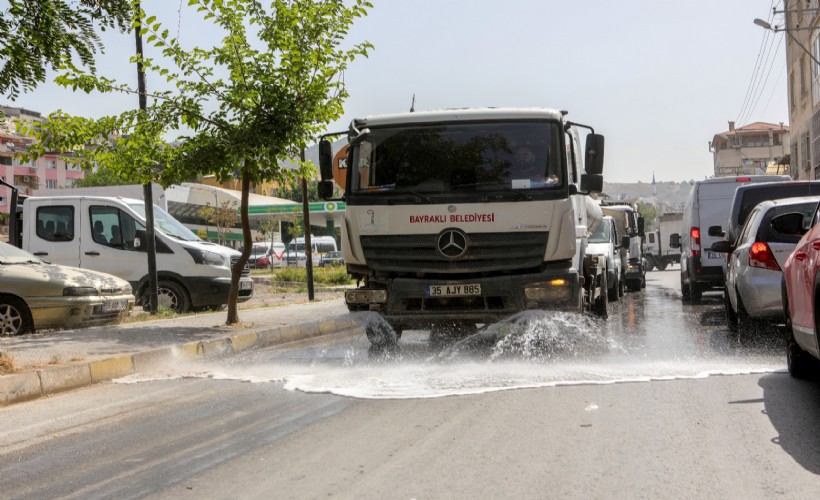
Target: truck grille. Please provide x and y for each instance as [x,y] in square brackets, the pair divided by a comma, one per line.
[486,253]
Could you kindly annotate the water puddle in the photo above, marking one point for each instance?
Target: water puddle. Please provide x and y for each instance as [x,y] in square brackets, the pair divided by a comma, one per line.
[529,350]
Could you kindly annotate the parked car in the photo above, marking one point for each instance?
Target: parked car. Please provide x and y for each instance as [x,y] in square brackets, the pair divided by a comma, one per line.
[332,259]
[37,295]
[604,241]
[754,269]
[261,256]
[801,284]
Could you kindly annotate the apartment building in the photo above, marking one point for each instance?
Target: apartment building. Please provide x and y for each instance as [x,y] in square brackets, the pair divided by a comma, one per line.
[47,172]
[750,149]
[802,25]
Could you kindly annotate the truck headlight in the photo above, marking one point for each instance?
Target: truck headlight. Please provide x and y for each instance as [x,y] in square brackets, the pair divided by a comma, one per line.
[206,257]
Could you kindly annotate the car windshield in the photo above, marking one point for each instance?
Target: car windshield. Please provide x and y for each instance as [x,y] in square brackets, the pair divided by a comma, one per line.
[10,254]
[466,157]
[601,235]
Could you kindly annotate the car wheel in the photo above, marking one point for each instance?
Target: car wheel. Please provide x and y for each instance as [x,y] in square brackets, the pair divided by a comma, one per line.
[684,290]
[799,362]
[172,296]
[602,302]
[744,321]
[731,315]
[621,286]
[15,317]
[615,291]
[695,294]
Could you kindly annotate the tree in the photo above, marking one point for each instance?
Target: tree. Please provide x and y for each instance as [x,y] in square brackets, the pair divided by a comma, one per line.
[251,102]
[223,216]
[102,177]
[40,35]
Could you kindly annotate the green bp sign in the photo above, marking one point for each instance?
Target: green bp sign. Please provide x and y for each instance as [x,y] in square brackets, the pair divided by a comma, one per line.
[323,206]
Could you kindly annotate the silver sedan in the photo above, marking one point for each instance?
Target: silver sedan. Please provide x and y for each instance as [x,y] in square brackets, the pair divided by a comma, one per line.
[754,271]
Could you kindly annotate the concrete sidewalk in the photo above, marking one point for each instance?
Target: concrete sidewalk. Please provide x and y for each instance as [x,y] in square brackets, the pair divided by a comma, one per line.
[56,361]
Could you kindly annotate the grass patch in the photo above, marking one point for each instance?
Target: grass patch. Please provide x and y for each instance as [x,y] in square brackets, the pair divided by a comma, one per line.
[334,275]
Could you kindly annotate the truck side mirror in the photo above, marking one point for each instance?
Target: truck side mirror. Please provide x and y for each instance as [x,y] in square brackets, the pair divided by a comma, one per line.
[641,226]
[592,183]
[325,189]
[625,242]
[594,160]
[326,159]
[674,240]
[715,231]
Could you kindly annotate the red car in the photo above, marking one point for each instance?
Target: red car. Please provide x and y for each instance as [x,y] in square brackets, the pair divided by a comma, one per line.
[801,284]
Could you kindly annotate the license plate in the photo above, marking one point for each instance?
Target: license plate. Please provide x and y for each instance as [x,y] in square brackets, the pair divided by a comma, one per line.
[714,255]
[453,290]
[246,285]
[113,305]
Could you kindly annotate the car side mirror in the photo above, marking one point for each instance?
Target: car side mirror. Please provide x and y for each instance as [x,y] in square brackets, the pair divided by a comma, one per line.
[140,241]
[674,240]
[722,246]
[716,231]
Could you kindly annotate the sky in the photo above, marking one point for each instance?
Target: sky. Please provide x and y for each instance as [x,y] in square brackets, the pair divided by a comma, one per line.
[658,79]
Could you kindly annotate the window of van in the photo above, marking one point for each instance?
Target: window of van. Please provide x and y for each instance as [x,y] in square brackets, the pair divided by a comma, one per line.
[55,223]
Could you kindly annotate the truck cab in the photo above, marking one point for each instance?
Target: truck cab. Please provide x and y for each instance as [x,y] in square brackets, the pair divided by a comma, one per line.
[467,216]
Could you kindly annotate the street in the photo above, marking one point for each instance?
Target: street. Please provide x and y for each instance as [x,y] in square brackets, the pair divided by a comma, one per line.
[661,401]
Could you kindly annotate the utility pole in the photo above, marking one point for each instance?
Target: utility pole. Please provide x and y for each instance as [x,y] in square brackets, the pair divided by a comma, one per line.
[308,248]
[148,194]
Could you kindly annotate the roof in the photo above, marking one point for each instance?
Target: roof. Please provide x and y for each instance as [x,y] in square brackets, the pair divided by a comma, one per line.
[756,127]
[468,114]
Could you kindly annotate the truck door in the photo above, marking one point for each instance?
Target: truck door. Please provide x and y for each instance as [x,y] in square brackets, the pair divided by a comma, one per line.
[52,231]
[108,241]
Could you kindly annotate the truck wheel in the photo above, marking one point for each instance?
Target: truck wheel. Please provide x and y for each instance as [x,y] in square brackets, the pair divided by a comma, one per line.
[650,262]
[172,296]
[15,317]
[602,302]
[662,265]
[380,333]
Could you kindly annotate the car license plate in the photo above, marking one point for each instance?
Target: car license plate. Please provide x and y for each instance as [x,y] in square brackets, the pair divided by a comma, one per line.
[465,290]
[714,255]
[113,305]
[246,285]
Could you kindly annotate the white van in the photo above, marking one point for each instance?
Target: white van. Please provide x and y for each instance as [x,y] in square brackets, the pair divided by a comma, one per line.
[108,234]
[319,245]
[708,205]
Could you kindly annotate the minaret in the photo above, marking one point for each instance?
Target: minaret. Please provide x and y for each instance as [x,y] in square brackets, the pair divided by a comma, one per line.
[654,187]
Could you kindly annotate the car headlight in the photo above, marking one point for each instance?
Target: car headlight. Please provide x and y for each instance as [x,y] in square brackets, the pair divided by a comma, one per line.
[206,257]
[127,289]
[79,291]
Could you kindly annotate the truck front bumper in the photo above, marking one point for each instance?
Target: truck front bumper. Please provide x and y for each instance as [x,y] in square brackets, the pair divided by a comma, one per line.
[406,303]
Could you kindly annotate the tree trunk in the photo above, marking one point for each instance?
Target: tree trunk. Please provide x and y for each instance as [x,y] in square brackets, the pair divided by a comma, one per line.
[236,271]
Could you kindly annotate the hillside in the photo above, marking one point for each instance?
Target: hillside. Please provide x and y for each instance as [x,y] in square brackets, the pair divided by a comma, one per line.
[669,196]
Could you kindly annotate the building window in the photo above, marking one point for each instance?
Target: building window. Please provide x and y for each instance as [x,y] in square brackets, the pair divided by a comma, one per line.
[815,72]
[2,200]
[51,163]
[804,152]
[51,183]
[791,90]
[803,87]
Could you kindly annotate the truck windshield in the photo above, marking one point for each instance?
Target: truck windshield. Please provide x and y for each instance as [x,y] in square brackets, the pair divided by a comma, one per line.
[459,157]
[166,223]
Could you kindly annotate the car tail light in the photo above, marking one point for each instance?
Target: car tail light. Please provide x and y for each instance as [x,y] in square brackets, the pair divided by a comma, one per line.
[760,255]
[694,238]
[743,179]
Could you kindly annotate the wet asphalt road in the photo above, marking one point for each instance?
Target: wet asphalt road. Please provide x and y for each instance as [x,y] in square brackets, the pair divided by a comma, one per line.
[704,415]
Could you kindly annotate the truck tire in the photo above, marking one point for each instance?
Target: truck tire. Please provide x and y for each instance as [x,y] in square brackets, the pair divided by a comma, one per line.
[380,333]
[650,262]
[684,290]
[15,317]
[171,295]
[662,265]
[601,307]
